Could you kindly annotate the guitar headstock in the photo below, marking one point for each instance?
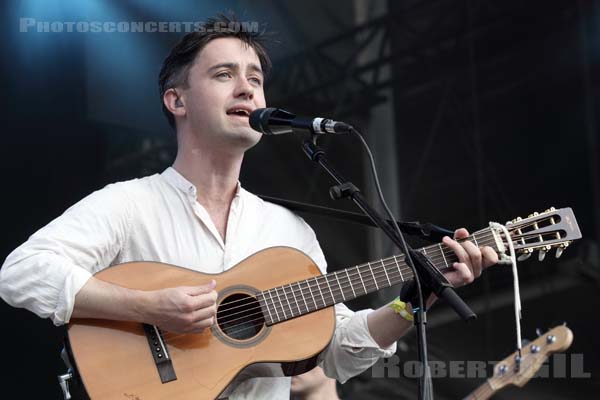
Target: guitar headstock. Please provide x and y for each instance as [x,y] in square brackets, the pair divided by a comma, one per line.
[532,358]
[544,231]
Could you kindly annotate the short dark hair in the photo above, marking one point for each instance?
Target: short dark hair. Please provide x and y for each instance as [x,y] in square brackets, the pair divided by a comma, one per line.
[175,68]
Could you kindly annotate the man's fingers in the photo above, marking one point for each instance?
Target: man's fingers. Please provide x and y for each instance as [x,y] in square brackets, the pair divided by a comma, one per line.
[490,257]
[200,289]
[203,300]
[461,275]
[461,233]
[475,257]
[460,252]
[205,313]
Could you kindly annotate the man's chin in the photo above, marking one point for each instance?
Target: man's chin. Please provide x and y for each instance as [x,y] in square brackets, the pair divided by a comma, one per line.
[245,138]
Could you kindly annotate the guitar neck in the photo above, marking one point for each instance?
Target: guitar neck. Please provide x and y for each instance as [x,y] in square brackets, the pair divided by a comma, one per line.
[298,298]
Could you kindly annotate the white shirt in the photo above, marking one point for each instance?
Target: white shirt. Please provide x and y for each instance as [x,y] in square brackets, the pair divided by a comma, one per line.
[157,218]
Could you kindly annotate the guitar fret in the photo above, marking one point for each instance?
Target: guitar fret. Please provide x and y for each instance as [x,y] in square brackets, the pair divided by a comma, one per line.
[375,280]
[266,305]
[350,283]
[475,240]
[443,255]
[280,302]
[288,300]
[295,300]
[361,279]
[332,296]
[311,294]
[302,293]
[340,286]
[274,306]
[386,274]
[399,269]
[319,287]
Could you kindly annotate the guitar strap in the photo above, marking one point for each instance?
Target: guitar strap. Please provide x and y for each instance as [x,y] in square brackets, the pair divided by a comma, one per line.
[427,230]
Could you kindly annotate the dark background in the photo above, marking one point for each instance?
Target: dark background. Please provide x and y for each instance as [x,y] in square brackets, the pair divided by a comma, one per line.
[476,110]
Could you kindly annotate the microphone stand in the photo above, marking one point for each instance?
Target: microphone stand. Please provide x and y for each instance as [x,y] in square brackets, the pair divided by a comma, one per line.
[427,274]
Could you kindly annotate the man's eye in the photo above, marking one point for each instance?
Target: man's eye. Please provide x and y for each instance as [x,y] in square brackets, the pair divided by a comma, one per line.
[256,80]
[223,75]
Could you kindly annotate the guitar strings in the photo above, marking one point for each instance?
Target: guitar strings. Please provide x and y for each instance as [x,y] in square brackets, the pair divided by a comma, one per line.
[445,254]
[378,269]
[485,234]
[254,323]
[395,260]
[371,283]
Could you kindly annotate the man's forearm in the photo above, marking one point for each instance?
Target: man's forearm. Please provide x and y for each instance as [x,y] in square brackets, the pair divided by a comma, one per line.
[183,309]
[99,299]
[387,327]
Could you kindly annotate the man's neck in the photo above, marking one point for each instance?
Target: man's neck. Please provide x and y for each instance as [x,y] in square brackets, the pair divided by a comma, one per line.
[215,174]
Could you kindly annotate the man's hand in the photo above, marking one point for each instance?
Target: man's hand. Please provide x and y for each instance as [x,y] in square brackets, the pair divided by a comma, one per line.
[185,309]
[471,259]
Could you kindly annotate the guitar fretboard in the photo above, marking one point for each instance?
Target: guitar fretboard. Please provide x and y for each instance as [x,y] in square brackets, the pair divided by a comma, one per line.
[298,298]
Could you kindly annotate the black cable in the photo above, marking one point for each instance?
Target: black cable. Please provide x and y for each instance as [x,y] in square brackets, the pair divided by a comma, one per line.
[425,387]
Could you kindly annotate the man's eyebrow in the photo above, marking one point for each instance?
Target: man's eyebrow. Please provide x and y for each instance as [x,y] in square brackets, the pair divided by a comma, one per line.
[255,68]
[235,66]
[224,65]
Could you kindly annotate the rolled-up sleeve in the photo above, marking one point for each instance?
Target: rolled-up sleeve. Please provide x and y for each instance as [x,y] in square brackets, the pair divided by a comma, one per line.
[45,273]
[352,350]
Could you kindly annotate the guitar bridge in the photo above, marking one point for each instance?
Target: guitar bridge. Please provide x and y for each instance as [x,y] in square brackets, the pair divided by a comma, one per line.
[160,353]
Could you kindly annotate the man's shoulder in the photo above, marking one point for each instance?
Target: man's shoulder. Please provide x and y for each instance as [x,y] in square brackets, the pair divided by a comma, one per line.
[134,186]
[125,191]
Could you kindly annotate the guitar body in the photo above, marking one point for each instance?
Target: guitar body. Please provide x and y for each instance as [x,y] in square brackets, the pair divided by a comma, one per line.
[115,360]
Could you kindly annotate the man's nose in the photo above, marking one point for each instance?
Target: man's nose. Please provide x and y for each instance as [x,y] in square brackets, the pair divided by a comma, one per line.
[244,89]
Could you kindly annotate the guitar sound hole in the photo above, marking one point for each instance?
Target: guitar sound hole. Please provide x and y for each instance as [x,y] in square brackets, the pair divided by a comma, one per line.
[239,316]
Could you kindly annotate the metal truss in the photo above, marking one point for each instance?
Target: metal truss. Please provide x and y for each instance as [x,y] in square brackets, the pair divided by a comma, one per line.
[424,42]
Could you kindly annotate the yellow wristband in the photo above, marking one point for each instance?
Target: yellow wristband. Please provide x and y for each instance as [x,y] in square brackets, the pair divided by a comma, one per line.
[399,307]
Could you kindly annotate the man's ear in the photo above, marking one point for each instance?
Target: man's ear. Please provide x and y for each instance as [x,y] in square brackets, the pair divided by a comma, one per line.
[174,103]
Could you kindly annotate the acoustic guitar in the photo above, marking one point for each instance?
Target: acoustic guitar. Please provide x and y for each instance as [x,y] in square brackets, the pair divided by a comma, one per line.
[518,370]
[274,315]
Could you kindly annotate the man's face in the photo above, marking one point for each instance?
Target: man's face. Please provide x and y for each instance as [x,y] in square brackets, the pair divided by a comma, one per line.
[225,84]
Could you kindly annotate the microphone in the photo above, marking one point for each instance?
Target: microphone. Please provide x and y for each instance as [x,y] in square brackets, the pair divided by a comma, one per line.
[275,121]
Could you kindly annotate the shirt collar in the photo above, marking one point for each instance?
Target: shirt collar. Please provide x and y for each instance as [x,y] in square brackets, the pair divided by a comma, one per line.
[173,177]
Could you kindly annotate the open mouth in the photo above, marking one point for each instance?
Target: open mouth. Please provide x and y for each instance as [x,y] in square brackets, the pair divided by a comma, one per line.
[241,112]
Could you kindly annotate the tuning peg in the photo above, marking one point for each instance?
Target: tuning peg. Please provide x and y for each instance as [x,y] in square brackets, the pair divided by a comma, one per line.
[538,332]
[542,254]
[559,251]
[514,221]
[524,256]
